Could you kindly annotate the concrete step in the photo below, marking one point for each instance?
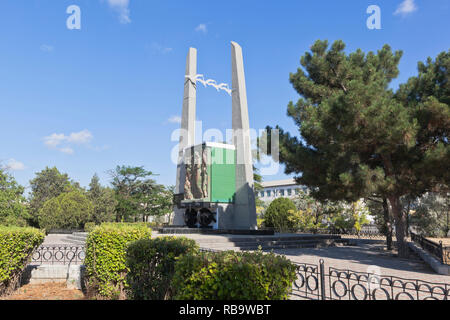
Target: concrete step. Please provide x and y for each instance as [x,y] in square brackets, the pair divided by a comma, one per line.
[278,241]
[77,237]
[266,239]
[73,241]
[263,243]
[267,247]
[276,244]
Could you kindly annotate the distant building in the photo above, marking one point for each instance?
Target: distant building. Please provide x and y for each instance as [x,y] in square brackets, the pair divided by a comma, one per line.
[287,188]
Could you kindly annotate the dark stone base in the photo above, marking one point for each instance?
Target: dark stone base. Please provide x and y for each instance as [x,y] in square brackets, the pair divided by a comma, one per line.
[184,230]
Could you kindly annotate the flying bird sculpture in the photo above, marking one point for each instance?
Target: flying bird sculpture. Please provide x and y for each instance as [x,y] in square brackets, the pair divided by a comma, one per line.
[210,82]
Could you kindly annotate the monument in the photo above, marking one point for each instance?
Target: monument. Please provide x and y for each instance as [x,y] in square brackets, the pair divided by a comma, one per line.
[214,187]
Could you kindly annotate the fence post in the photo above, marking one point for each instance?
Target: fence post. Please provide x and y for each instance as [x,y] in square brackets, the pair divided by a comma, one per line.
[322,279]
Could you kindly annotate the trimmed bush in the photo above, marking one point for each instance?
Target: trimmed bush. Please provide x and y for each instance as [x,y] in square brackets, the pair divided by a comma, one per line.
[89,226]
[152,266]
[105,260]
[16,247]
[233,276]
[69,211]
[278,213]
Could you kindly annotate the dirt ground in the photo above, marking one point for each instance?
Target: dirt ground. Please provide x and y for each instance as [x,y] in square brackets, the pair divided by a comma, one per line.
[47,291]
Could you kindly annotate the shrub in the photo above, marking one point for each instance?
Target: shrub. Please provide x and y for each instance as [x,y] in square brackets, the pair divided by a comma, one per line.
[89,226]
[152,266]
[70,210]
[233,276]
[16,247]
[105,262]
[278,215]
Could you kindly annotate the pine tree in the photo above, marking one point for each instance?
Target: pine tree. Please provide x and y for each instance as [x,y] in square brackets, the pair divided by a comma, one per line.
[358,137]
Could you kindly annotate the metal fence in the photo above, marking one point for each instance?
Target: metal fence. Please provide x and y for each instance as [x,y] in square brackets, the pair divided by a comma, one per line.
[366,231]
[315,283]
[436,249]
[61,254]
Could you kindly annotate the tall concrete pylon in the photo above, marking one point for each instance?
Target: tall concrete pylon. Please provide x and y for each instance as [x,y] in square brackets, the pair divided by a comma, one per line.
[244,216]
[187,133]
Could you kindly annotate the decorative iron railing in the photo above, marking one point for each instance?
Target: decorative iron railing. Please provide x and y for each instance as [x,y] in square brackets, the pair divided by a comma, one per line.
[371,232]
[436,249]
[314,283]
[59,254]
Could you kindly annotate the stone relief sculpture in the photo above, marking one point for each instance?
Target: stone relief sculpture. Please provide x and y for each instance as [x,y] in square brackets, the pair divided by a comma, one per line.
[187,183]
[204,174]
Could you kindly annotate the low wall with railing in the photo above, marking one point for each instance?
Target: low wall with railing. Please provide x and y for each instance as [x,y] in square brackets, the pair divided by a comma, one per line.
[436,249]
[316,282]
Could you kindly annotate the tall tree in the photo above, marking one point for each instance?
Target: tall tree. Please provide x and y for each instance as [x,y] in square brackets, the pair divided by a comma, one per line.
[103,201]
[156,200]
[70,210]
[13,205]
[130,184]
[48,183]
[358,138]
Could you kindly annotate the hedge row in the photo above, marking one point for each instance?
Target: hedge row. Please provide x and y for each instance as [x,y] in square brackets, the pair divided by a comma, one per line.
[152,266]
[233,275]
[16,247]
[123,262]
[106,268]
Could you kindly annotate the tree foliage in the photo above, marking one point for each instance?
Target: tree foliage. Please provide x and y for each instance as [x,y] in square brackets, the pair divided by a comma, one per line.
[432,215]
[69,210]
[358,137]
[13,210]
[103,201]
[48,183]
[139,196]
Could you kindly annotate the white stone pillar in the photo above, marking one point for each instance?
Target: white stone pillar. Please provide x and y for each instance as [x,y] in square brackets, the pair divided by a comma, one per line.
[187,133]
[244,206]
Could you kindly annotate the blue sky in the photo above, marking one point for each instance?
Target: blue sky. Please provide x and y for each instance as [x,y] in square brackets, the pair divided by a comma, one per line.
[110,94]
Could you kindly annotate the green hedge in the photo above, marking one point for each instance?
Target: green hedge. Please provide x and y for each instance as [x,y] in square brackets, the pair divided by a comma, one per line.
[16,247]
[152,266]
[105,261]
[233,276]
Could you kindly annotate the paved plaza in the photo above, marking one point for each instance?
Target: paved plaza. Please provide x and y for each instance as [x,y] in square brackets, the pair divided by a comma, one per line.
[357,258]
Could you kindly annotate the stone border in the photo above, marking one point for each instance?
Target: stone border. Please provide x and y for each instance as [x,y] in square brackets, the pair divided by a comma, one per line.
[432,261]
[72,275]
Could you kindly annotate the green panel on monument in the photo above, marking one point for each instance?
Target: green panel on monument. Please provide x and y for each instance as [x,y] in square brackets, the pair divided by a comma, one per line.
[223,175]
[210,173]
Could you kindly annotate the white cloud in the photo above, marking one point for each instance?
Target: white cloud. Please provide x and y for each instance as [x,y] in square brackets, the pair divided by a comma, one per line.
[54,139]
[406,7]
[156,47]
[47,48]
[62,142]
[174,119]
[80,137]
[201,28]
[14,165]
[121,7]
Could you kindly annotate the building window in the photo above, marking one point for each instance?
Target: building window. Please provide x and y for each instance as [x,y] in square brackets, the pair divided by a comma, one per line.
[289,192]
[282,192]
[268,193]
